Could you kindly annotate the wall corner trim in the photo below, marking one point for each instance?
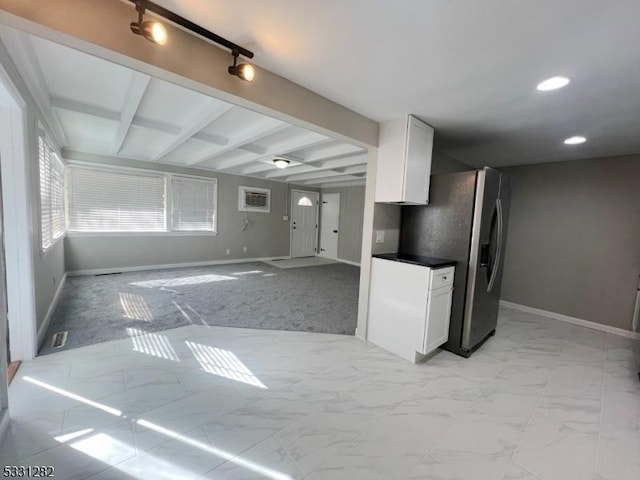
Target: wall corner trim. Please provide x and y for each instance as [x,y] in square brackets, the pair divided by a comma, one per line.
[575,321]
[348,262]
[4,424]
[52,308]
[139,268]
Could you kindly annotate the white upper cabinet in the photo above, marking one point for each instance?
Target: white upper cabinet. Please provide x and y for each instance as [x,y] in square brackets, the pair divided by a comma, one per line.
[404,161]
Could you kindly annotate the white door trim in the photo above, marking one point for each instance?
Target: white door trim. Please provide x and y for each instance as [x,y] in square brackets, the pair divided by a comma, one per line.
[317,194]
[322,227]
[18,234]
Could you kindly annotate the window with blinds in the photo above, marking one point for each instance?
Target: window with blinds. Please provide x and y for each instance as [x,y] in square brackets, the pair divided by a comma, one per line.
[193,204]
[52,218]
[105,200]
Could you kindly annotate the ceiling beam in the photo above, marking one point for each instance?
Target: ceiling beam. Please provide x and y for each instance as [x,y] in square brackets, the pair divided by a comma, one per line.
[137,89]
[332,151]
[307,138]
[343,183]
[84,108]
[346,161]
[337,178]
[212,110]
[79,107]
[253,148]
[156,125]
[262,129]
[328,173]
[211,138]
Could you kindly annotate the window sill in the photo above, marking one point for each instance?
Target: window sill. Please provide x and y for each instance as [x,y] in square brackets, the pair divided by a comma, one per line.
[141,234]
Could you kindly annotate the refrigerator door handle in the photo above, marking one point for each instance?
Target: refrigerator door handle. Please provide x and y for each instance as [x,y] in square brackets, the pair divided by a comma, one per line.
[496,263]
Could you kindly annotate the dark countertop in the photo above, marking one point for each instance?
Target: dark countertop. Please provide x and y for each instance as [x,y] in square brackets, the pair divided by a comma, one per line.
[416,260]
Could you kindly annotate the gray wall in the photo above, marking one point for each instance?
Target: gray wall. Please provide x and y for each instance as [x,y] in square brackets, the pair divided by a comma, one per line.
[574,238]
[443,163]
[48,267]
[267,235]
[351,220]
[387,217]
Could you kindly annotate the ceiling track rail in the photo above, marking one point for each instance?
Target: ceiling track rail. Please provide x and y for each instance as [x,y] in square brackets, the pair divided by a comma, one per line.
[192,27]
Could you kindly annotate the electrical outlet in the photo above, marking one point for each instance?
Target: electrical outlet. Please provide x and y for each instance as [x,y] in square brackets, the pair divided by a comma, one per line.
[244,249]
[228,251]
[379,236]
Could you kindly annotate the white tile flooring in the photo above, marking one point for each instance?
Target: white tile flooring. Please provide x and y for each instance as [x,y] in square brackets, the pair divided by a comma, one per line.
[542,400]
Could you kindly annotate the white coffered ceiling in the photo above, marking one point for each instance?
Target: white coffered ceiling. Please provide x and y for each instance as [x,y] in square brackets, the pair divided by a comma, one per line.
[467,67]
[98,107]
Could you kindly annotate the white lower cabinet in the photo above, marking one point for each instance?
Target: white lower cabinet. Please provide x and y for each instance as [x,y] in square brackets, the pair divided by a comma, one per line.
[437,319]
[409,307]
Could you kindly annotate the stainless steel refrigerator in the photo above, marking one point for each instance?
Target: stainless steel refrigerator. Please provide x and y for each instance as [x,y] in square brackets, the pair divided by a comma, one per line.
[466,221]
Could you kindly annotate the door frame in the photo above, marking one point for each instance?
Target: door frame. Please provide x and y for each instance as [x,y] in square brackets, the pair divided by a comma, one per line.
[19,236]
[322,226]
[297,190]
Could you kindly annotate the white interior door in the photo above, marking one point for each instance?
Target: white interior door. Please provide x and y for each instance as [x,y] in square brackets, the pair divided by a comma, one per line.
[304,223]
[330,221]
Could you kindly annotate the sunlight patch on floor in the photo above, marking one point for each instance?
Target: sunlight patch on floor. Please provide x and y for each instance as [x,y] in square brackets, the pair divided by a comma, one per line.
[181,310]
[250,272]
[223,363]
[261,470]
[70,436]
[182,281]
[135,307]
[152,344]
[73,396]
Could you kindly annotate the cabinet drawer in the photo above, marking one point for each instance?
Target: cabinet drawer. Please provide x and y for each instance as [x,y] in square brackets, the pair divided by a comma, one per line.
[441,277]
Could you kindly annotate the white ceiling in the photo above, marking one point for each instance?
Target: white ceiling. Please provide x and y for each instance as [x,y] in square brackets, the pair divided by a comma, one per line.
[468,67]
[98,107]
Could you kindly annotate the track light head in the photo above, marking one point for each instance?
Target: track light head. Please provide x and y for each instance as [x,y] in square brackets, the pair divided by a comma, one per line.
[245,71]
[151,30]
[281,162]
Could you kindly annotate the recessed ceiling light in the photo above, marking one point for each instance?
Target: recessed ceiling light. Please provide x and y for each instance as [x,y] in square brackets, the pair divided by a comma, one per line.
[553,83]
[577,140]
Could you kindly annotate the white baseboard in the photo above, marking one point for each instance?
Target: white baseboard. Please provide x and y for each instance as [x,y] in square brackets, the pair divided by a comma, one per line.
[139,268]
[4,424]
[575,321]
[52,308]
[348,262]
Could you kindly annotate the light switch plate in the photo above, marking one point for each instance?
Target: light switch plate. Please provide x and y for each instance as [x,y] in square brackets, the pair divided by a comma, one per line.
[379,236]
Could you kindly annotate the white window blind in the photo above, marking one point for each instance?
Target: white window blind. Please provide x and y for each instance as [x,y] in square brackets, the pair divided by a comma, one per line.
[101,200]
[193,204]
[52,218]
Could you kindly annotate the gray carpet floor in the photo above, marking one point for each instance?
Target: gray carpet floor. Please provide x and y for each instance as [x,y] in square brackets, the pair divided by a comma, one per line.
[95,309]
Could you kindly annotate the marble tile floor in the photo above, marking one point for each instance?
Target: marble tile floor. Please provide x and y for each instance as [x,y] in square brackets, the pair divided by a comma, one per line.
[542,400]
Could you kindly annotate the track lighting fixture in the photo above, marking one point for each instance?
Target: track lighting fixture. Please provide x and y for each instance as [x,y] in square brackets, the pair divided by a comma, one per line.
[149,29]
[156,32]
[245,71]
[280,162]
